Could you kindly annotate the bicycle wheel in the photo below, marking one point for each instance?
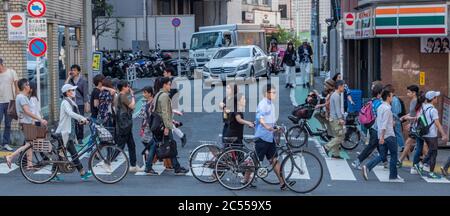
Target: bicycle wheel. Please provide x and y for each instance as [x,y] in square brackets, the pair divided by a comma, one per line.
[352,139]
[202,162]
[109,164]
[271,177]
[303,170]
[38,167]
[297,137]
[237,168]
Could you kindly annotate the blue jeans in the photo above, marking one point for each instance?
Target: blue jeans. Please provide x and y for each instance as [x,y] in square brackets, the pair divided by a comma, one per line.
[391,146]
[7,132]
[151,154]
[418,152]
[399,134]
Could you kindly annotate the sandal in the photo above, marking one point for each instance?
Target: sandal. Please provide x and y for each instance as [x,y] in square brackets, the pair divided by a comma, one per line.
[8,161]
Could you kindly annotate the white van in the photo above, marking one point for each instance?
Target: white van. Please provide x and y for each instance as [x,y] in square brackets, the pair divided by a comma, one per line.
[210,38]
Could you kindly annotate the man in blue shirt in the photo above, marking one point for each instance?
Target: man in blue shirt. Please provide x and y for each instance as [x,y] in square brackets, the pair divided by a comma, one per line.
[265,128]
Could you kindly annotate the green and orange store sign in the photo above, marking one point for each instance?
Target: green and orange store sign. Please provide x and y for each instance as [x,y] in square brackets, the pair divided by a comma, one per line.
[406,21]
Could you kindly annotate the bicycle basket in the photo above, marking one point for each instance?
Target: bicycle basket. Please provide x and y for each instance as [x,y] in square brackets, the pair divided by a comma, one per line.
[303,112]
[103,134]
[42,145]
[32,132]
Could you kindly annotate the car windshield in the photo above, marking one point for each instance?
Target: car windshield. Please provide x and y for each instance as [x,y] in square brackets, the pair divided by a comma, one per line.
[233,53]
[205,40]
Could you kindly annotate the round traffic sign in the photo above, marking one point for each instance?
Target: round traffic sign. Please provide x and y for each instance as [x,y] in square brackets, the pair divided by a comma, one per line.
[37,47]
[16,21]
[176,22]
[349,19]
[36,8]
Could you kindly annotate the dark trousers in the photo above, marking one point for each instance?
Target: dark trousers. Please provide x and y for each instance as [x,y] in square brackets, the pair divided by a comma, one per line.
[151,154]
[447,164]
[7,131]
[74,154]
[79,129]
[390,145]
[430,158]
[373,144]
[127,138]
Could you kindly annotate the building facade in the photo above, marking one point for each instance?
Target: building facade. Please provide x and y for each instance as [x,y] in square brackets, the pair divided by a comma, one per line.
[66,46]
[302,15]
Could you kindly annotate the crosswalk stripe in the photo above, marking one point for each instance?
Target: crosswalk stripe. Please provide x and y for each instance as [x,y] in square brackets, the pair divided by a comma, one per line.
[338,169]
[45,170]
[383,175]
[4,169]
[296,175]
[98,168]
[439,181]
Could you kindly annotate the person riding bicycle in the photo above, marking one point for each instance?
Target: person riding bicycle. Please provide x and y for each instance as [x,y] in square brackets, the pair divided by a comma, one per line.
[68,118]
[265,127]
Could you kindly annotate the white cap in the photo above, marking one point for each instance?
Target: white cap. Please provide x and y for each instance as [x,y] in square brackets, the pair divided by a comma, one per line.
[68,87]
[432,94]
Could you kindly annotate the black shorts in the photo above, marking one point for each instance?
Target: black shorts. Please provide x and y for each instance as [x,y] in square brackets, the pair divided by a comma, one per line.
[265,149]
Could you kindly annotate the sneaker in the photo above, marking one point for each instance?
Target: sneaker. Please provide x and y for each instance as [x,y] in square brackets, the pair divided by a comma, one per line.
[7,148]
[444,172]
[385,165]
[133,169]
[183,140]
[364,173]
[399,164]
[150,172]
[356,164]
[181,171]
[284,186]
[426,168]
[433,175]
[413,171]
[419,169]
[172,169]
[86,176]
[395,179]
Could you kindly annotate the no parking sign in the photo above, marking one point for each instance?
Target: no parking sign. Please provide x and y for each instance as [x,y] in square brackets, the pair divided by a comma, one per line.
[36,8]
[37,47]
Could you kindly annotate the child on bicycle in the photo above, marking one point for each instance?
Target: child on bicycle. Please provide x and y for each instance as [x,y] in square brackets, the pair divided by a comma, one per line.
[68,118]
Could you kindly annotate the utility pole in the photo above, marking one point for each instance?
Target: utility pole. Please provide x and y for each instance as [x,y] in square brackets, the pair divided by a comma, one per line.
[88,41]
[145,21]
[315,35]
[297,17]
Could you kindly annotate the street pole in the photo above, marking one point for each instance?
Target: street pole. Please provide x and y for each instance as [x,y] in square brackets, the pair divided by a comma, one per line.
[38,79]
[88,41]
[315,35]
[179,53]
[297,17]
[145,21]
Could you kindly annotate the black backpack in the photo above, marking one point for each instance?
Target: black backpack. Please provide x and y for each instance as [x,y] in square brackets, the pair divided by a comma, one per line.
[423,127]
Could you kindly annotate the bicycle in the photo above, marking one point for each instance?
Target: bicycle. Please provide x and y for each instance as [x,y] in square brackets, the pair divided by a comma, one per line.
[240,167]
[299,134]
[50,156]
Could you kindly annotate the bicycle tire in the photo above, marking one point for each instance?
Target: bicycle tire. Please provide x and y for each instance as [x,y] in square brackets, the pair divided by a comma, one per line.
[294,140]
[210,171]
[232,159]
[292,175]
[272,178]
[46,176]
[113,154]
[352,139]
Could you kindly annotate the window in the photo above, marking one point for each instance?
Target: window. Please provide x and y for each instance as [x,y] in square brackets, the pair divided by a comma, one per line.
[265,2]
[233,53]
[283,11]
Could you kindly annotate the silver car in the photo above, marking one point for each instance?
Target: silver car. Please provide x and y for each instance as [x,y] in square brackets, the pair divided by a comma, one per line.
[234,62]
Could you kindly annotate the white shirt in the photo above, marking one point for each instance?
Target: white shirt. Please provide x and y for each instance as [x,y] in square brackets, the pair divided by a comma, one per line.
[385,120]
[431,114]
[6,82]
[66,114]
[35,107]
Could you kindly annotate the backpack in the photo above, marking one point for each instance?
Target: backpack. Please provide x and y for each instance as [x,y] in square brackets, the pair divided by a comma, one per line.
[403,112]
[422,126]
[124,118]
[155,121]
[368,114]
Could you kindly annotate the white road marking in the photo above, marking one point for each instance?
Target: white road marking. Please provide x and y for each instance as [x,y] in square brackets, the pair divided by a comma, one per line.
[4,169]
[383,175]
[338,169]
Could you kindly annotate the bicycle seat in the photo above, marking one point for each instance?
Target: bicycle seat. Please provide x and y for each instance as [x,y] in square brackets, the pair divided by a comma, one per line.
[294,119]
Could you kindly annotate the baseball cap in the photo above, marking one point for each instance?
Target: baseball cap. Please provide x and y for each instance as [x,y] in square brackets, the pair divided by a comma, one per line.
[432,94]
[68,87]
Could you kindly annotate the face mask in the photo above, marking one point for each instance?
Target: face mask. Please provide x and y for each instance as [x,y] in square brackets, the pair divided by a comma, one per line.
[74,94]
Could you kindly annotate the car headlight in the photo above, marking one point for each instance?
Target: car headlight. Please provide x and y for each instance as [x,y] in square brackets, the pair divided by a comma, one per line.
[243,67]
[205,69]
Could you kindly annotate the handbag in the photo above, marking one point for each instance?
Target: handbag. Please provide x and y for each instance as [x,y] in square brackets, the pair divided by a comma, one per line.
[12,112]
[155,120]
[166,149]
[124,121]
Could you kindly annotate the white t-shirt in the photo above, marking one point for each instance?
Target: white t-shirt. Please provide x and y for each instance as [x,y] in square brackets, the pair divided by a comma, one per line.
[6,82]
[35,107]
[431,114]
[21,101]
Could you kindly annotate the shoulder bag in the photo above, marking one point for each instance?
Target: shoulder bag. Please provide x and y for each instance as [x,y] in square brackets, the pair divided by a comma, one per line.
[12,112]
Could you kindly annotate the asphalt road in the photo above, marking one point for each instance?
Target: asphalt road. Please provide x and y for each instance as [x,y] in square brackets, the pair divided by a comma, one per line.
[339,177]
